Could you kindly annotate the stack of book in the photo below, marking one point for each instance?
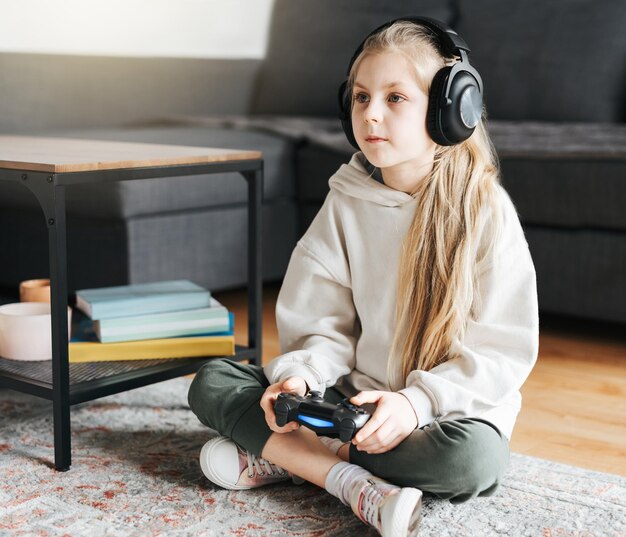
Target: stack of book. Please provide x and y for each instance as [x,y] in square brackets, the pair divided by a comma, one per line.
[170,319]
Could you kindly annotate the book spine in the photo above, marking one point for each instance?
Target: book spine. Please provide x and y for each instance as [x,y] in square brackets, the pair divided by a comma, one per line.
[139,322]
[152,349]
[161,334]
[171,326]
[140,306]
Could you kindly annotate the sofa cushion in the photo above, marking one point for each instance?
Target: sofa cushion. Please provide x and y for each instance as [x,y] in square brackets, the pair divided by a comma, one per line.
[562,60]
[580,272]
[154,196]
[564,175]
[310,46]
[208,246]
[316,162]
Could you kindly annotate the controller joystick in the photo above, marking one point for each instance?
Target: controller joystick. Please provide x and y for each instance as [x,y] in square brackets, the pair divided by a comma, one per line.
[341,420]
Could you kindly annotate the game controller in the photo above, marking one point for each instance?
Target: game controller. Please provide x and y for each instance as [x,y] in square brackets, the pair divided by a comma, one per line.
[342,419]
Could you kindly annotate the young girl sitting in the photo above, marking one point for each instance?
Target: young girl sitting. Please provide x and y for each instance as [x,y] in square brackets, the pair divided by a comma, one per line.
[413,289]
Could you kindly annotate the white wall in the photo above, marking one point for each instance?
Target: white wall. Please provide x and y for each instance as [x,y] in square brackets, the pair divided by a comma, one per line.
[174,28]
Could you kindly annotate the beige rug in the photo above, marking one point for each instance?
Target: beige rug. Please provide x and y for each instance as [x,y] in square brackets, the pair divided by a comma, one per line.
[135,472]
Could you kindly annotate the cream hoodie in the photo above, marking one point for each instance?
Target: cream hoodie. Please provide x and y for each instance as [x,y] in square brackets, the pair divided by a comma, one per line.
[336,309]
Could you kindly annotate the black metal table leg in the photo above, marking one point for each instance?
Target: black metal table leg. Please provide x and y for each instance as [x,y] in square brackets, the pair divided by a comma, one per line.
[60,363]
[255,262]
[51,197]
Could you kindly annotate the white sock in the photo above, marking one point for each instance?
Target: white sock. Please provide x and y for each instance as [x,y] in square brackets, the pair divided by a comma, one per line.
[333,444]
[343,478]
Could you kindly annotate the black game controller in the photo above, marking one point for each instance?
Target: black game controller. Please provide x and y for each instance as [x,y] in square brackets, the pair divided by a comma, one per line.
[343,419]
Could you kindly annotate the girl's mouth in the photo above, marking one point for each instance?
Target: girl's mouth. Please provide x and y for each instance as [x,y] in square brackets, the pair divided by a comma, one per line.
[374,139]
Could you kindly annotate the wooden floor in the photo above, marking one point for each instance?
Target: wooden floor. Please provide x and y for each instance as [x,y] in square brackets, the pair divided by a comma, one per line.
[574,408]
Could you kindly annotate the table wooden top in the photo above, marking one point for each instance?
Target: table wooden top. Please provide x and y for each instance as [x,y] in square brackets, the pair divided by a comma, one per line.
[63,155]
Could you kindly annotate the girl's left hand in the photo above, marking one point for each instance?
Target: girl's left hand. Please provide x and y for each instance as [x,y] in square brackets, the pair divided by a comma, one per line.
[393,420]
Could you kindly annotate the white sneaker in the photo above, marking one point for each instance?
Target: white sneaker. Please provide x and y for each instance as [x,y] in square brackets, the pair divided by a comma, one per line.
[226,464]
[393,511]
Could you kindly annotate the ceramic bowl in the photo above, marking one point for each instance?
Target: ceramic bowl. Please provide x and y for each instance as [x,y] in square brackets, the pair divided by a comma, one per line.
[25,331]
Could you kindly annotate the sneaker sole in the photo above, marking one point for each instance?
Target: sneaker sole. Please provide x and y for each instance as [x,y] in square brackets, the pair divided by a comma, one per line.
[410,501]
[205,457]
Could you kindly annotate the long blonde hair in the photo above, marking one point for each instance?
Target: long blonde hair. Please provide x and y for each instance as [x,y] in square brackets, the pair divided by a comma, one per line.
[440,260]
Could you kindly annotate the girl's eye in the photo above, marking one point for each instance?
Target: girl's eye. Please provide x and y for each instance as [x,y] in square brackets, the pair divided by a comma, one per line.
[363,98]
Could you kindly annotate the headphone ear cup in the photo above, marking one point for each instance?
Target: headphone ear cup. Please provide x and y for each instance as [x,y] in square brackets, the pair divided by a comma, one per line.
[435,97]
[341,96]
[450,124]
[459,120]
[345,114]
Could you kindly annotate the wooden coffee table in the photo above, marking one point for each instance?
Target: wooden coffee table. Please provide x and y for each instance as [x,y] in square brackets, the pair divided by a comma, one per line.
[47,166]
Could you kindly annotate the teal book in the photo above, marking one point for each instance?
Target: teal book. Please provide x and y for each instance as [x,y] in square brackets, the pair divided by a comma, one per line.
[211,320]
[142,299]
[85,347]
[83,329]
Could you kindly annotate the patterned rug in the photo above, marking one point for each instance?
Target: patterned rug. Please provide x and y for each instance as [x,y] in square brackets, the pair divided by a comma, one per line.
[135,472]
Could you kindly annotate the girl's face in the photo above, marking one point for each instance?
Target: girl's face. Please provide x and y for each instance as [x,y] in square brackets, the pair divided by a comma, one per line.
[389,119]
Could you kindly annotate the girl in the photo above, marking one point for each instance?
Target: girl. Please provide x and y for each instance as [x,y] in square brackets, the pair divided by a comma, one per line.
[413,289]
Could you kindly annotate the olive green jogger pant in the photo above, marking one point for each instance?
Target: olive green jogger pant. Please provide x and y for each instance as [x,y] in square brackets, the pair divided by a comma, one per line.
[454,460]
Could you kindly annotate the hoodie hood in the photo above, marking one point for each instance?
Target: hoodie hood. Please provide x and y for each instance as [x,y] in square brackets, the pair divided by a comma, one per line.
[354,180]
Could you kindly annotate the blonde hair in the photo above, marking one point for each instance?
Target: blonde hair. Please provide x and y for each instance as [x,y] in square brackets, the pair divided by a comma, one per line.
[440,260]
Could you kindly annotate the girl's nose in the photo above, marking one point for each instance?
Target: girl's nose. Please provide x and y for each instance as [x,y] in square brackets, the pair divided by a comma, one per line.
[373,113]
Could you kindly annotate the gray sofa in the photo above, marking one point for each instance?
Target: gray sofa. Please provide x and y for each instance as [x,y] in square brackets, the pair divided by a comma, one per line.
[555,79]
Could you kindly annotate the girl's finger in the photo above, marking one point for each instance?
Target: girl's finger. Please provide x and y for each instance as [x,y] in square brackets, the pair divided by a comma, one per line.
[287,428]
[369,396]
[389,444]
[379,439]
[264,403]
[370,427]
[296,385]
[268,408]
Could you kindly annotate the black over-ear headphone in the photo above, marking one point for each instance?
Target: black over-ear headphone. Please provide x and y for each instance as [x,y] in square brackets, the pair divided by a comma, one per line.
[456,94]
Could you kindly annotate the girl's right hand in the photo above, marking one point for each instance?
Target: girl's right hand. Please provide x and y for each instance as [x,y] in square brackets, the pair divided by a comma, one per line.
[292,385]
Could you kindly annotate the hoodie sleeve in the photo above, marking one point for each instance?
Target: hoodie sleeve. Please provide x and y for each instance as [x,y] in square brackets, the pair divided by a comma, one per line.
[500,345]
[317,324]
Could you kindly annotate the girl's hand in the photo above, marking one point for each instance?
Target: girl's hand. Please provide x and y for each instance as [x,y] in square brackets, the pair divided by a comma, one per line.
[293,385]
[393,420]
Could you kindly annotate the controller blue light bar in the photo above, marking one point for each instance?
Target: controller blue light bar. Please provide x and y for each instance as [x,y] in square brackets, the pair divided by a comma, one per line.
[316,422]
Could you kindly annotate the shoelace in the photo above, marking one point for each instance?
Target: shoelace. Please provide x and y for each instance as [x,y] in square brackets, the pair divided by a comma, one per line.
[258,463]
[370,499]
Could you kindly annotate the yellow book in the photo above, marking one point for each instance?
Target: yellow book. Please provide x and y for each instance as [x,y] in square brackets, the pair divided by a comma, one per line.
[150,349]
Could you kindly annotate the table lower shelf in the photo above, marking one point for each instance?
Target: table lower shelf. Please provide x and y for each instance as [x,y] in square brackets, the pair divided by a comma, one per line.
[97,379]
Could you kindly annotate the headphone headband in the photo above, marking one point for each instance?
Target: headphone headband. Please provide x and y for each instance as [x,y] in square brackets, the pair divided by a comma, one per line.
[450,43]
